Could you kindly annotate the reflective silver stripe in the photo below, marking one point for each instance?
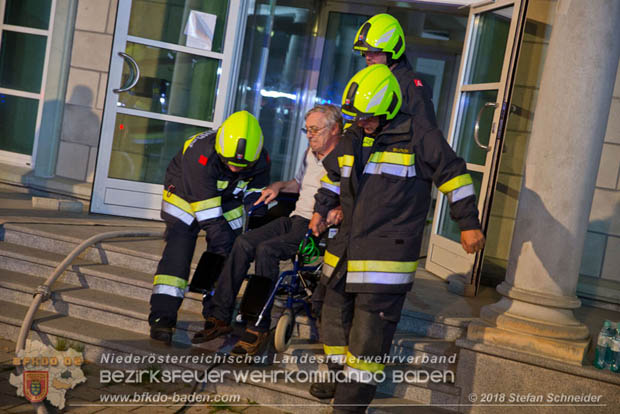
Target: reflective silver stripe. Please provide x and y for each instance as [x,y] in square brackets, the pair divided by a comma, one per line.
[358,375]
[327,270]
[460,193]
[331,187]
[209,213]
[174,211]
[236,223]
[336,358]
[168,290]
[345,171]
[251,192]
[394,169]
[381,278]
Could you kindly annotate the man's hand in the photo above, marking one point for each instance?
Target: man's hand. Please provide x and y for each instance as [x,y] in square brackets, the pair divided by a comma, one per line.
[334,217]
[268,194]
[317,224]
[472,240]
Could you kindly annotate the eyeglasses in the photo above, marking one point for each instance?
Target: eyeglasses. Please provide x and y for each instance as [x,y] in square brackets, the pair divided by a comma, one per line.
[312,130]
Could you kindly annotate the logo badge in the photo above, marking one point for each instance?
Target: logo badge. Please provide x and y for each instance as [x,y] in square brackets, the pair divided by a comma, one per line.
[417,82]
[35,385]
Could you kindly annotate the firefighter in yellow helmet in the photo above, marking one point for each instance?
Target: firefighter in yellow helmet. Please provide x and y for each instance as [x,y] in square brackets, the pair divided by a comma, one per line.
[381,174]
[381,41]
[207,185]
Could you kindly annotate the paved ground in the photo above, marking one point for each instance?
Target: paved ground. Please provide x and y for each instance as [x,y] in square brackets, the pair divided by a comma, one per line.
[86,397]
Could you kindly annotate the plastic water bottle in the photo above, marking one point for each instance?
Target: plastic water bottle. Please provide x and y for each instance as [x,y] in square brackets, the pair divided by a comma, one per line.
[602,345]
[614,351]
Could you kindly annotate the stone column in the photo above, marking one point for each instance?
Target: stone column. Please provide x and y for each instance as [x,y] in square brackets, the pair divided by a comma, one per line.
[535,314]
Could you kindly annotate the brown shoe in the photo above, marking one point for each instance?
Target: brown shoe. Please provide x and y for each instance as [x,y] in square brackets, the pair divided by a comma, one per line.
[251,343]
[213,328]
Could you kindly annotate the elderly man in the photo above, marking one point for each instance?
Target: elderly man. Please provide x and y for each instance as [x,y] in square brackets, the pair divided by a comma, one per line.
[275,241]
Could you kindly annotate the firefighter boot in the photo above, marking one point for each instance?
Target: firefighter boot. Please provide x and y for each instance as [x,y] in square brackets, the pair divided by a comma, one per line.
[327,389]
[162,333]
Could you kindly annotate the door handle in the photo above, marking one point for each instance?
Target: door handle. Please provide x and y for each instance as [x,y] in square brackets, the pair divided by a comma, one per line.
[135,72]
[477,127]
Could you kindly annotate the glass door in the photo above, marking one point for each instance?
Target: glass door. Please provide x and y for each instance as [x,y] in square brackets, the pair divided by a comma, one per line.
[171,76]
[334,61]
[476,127]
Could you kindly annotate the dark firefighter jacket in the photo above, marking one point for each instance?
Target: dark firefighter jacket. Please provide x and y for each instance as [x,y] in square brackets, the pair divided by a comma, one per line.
[417,95]
[384,187]
[199,186]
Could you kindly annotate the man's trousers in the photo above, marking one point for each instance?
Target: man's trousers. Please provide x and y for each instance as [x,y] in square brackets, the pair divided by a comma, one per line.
[266,246]
[354,326]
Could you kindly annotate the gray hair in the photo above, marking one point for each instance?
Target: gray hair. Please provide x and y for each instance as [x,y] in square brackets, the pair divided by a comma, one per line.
[332,114]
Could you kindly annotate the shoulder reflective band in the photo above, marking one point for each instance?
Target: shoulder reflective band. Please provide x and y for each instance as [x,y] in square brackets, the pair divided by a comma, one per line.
[361,364]
[345,163]
[394,163]
[222,185]
[329,263]
[169,285]
[383,272]
[328,184]
[188,142]
[177,207]
[458,188]
[208,209]
[240,187]
[234,217]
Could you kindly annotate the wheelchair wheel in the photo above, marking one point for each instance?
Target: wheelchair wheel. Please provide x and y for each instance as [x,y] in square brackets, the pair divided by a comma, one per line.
[284,331]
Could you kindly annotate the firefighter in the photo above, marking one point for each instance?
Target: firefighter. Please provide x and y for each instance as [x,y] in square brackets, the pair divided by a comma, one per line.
[275,241]
[207,185]
[381,41]
[381,174]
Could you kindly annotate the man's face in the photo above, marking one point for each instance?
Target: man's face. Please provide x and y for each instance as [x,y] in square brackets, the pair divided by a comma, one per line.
[319,132]
[373,58]
[370,125]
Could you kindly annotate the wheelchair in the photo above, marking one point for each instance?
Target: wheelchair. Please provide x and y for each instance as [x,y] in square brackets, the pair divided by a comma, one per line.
[292,292]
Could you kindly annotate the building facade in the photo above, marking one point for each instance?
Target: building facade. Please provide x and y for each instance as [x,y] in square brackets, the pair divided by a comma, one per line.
[77,119]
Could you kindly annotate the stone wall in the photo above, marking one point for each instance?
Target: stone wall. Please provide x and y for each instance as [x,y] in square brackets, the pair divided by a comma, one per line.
[86,88]
[600,257]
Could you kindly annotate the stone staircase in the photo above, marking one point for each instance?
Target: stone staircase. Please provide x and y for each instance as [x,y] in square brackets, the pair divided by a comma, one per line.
[102,302]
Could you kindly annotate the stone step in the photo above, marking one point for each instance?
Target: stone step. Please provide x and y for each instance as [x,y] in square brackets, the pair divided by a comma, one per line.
[93,305]
[137,253]
[101,339]
[103,277]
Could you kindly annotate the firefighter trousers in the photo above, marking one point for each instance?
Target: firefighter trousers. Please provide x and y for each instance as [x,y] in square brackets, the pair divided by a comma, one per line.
[266,246]
[357,326]
[172,273]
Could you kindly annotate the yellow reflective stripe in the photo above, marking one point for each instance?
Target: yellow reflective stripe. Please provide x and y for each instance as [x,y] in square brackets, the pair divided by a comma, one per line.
[242,184]
[335,350]
[393,158]
[455,183]
[330,259]
[359,363]
[206,204]
[345,160]
[344,111]
[234,213]
[368,141]
[346,125]
[170,281]
[221,185]
[254,190]
[380,266]
[325,179]
[175,200]
[189,142]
